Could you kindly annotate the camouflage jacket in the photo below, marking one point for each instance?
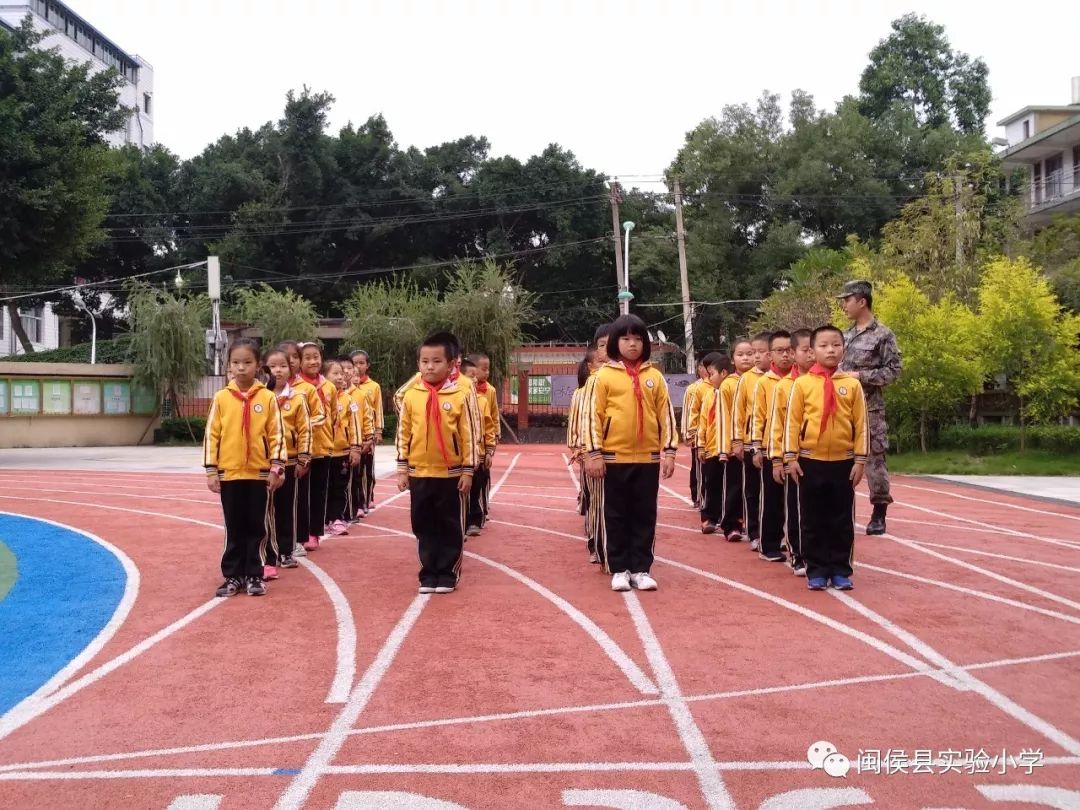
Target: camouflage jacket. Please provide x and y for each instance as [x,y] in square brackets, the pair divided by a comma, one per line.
[874,354]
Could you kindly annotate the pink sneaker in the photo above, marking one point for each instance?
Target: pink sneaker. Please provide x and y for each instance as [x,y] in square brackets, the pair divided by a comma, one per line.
[339,527]
[312,543]
[269,572]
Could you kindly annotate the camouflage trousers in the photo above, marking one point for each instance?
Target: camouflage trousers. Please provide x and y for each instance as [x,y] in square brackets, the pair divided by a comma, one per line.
[877,473]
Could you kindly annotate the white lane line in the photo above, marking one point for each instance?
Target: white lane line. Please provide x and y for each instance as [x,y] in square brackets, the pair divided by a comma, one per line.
[502,480]
[996,698]
[1015,583]
[632,671]
[992,597]
[881,646]
[111,509]
[983,525]
[389,500]
[675,494]
[345,671]
[573,476]
[99,486]
[160,773]
[529,714]
[69,491]
[956,527]
[1025,560]
[197,801]
[13,720]
[1018,507]
[693,740]
[301,786]
[123,609]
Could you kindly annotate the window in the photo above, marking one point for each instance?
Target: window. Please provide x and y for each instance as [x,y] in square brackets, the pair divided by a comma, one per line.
[24,397]
[1027,130]
[146,103]
[1052,173]
[1076,167]
[31,322]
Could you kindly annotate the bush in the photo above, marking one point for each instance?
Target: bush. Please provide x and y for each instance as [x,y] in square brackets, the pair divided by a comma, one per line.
[990,439]
[115,350]
[177,430]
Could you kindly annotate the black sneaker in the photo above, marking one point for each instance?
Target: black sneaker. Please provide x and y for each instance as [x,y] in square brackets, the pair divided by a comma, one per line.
[877,519]
[255,586]
[230,587]
[289,562]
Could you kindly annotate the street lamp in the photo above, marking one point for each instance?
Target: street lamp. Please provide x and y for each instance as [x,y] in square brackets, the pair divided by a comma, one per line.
[78,299]
[625,296]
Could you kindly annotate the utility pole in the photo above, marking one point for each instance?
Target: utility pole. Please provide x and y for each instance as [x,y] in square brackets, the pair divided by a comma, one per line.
[616,197]
[687,309]
[215,340]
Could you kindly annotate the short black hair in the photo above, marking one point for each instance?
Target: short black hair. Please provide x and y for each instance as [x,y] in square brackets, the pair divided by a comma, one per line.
[628,325]
[718,361]
[476,357]
[450,344]
[310,345]
[329,364]
[344,358]
[467,363]
[828,327]
[271,352]
[603,330]
[243,343]
[701,360]
[766,336]
[801,334]
[779,333]
[358,353]
[739,341]
[583,373]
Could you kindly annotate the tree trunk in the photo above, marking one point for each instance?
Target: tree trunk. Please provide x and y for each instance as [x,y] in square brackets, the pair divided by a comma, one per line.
[973,411]
[1023,426]
[922,430]
[17,327]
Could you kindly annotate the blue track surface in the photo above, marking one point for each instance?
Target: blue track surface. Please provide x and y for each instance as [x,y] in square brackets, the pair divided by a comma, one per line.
[68,588]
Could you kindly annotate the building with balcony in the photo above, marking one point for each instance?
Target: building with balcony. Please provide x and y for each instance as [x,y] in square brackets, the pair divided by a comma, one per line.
[1045,143]
[79,41]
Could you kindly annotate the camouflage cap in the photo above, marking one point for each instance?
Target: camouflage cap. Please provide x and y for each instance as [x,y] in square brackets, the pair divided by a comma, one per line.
[862,289]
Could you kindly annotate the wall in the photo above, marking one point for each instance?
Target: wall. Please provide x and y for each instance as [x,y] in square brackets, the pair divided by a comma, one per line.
[73,405]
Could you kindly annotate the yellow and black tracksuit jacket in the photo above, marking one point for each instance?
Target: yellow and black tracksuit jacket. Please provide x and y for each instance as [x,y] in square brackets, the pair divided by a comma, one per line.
[346,425]
[573,420]
[419,452]
[847,435]
[372,393]
[714,423]
[365,414]
[616,430]
[759,420]
[691,409]
[236,454]
[317,413]
[744,406]
[473,407]
[489,416]
[297,421]
[777,426]
[729,388]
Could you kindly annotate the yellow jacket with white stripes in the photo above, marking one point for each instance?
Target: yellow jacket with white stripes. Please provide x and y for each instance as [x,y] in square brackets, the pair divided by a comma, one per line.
[419,451]
[777,426]
[616,430]
[573,419]
[297,422]
[847,434]
[488,406]
[714,421]
[234,454]
[346,422]
[744,405]
[372,393]
[759,418]
[365,413]
[691,408]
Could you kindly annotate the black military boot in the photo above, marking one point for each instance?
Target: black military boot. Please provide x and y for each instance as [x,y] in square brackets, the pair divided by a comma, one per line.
[877,519]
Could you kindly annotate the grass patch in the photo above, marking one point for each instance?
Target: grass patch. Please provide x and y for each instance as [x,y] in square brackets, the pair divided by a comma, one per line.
[957,462]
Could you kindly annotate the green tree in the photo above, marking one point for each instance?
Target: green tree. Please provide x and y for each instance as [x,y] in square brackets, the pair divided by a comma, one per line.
[487,312]
[806,297]
[168,343]
[53,117]
[279,314]
[1030,339]
[1056,249]
[944,357]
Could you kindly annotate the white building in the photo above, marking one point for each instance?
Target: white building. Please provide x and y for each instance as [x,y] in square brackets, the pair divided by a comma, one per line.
[45,329]
[1045,142]
[79,41]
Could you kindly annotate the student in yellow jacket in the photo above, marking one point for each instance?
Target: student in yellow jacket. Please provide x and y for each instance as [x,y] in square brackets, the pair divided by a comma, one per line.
[488,410]
[244,457]
[351,422]
[825,448]
[691,411]
[436,458]
[297,423]
[771,508]
[322,440]
[744,413]
[592,493]
[732,524]
[631,439]
[371,392]
[774,446]
[316,416]
[713,440]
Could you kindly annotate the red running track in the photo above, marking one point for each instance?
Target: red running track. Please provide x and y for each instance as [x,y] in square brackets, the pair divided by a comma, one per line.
[956,659]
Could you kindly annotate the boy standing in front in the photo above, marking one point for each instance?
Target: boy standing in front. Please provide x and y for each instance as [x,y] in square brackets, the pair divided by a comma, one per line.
[436,456]
[825,448]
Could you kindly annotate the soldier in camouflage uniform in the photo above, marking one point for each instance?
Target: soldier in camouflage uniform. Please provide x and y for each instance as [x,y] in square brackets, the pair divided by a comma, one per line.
[871,354]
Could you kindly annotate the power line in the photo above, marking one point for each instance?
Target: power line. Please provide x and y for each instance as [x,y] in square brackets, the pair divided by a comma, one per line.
[97,283]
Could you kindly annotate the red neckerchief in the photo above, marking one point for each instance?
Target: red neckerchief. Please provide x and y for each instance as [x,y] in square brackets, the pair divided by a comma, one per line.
[245,421]
[712,410]
[776,371]
[434,414]
[794,372]
[285,395]
[481,387]
[318,383]
[634,371]
[362,380]
[829,407]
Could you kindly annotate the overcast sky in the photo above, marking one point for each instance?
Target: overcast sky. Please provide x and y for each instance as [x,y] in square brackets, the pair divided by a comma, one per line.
[617,83]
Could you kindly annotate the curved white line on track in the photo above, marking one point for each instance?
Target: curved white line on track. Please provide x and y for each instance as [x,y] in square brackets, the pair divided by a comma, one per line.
[502,480]
[1016,506]
[1026,560]
[120,614]
[345,668]
[956,527]
[992,597]
[970,682]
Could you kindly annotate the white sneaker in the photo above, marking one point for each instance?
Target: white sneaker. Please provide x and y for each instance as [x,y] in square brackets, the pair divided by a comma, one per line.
[426,589]
[755,545]
[643,582]
[620,581]
[445,589]
[299,550]
[799,571]
[593,558]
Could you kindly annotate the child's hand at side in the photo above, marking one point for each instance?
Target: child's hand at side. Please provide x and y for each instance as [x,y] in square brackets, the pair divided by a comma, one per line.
[778,473]
[667,467]
[594,467]
[857,473]
[794,470]
[213,484]
[464,484]
[402,481]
